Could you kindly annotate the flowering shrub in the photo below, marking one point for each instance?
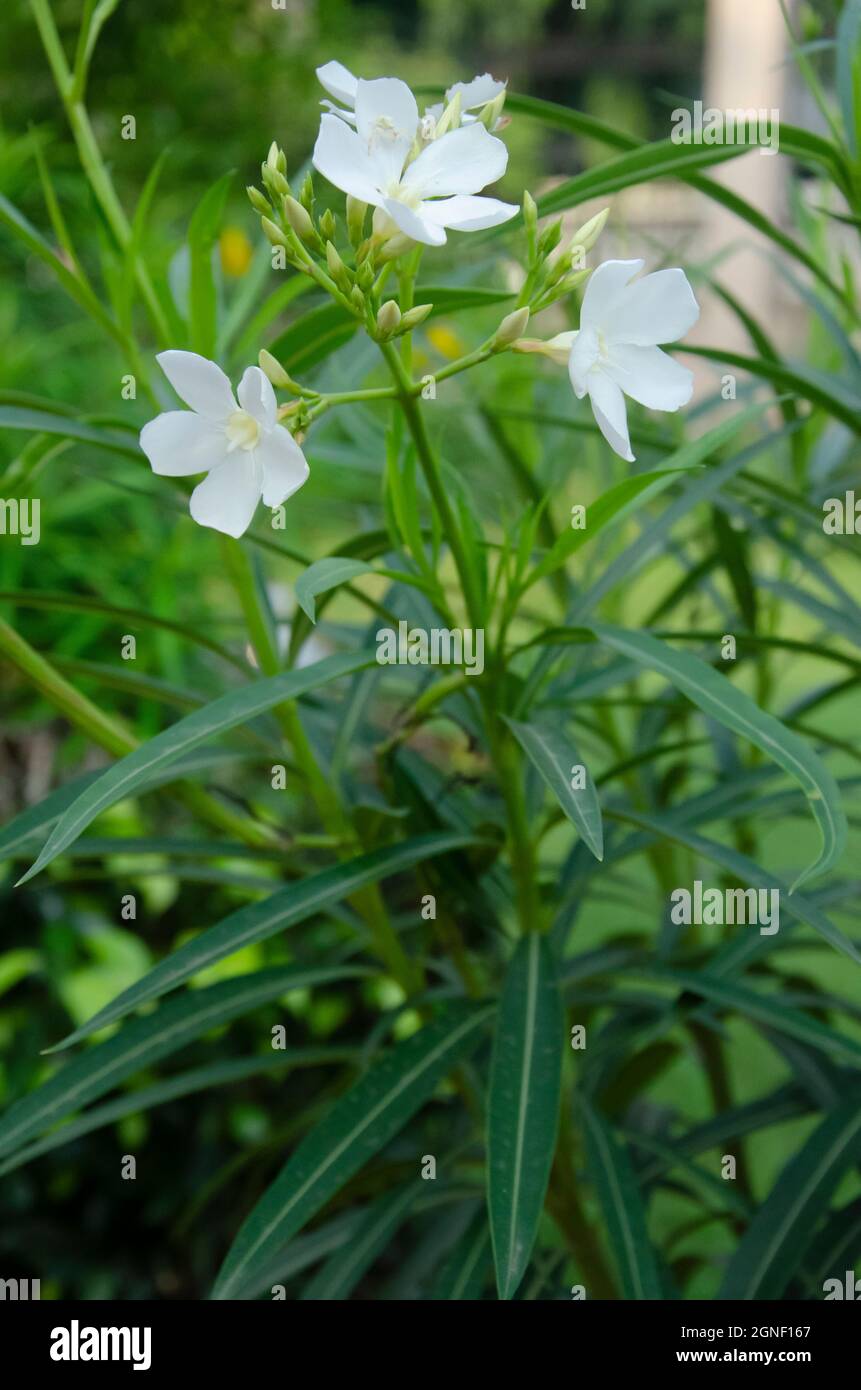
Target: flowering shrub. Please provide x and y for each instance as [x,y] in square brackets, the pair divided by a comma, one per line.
[503,808]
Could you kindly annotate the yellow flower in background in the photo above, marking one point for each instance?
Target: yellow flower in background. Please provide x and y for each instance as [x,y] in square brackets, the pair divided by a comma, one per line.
[445,340]
[235,251]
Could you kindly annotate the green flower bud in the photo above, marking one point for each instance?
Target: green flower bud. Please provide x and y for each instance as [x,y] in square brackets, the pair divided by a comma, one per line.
[306,193]
[511,328]
[337,269]
[328,225]
[589,233]
[272,368]
[530,211]
[357,299]
[355,219]
[280,184]
[388,319]
[298,219]
[550,238]
[273,233]
[413,317]
[365,276]
[258,200]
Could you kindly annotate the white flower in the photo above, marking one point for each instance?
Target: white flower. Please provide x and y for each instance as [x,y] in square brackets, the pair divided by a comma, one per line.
[340,83]
[424,197]
[616,353]
[245,453]
[473,95]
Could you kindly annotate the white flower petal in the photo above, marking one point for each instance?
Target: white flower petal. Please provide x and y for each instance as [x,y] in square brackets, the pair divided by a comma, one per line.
[477,92]
[413,223]
[227,498]
[467,213]
[284,466]
[558,348]
[660,308]
[198,382]
[387,119]
[340,157]
[256,395]
[605,286]
[343,112]
[649,376]
[179,442]
[608,406]
[338,81]
[461,161]
[585,352]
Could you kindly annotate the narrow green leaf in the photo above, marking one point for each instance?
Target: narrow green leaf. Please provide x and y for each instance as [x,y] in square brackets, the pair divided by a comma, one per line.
[718,698]
[523,1106]
[324,575]
[553,754]
[185,1084]
[614,504]
[256,922]
[780,1234]
[774,1013]
[147,1040]
[342,1272]
[622,1208]
[463,1273]
[849,72]
[48,422]
[16,836]
[202,236]
[127,775]
[358,1125]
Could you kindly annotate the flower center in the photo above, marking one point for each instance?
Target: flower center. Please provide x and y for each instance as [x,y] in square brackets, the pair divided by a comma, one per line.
[383,132]
[243,431]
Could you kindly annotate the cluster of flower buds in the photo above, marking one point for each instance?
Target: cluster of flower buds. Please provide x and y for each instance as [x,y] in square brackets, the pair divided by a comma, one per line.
[308,244]
[549,280]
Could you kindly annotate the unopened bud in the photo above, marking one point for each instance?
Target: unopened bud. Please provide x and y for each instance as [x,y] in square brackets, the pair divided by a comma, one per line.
[388,319]
[337,269]
[281,162]
[272,368]
[550,238]
[298,218]
[365,275]
[590,231]
[327,225]
[355,219]
[306,193]
[413,317]
[258,200]
[272,157]
[395,246]
[511,328]
[357,299]
[280,184]
[273,233]
[530,211]
[572,281]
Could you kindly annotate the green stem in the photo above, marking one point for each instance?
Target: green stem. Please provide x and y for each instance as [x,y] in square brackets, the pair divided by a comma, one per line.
[431,469]
[91,159]
[111,735]
[368,901]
